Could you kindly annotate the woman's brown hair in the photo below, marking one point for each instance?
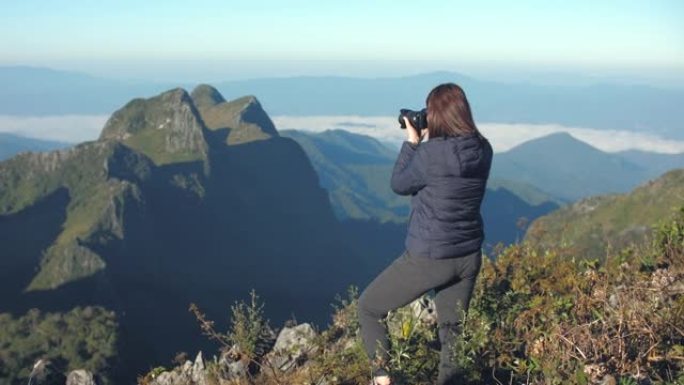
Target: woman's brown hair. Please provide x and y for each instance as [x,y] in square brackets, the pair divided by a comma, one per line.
[448,112]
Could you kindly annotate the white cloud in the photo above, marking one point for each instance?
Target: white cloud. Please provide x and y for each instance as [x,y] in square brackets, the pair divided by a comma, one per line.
[503,136]
[65,128]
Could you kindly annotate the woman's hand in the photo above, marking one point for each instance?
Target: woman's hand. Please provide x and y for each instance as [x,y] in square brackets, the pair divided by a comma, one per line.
[412,134]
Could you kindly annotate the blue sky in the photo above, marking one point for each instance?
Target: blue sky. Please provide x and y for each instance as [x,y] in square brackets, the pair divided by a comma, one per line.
[257,38]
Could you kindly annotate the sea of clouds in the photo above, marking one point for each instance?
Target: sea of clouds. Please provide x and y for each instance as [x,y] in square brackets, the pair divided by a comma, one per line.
[62,128]
[503,136]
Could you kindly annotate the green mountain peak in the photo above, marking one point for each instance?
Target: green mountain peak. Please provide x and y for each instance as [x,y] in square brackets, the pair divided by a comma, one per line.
[238,121]
[205,95]
[151,147]
[167,128]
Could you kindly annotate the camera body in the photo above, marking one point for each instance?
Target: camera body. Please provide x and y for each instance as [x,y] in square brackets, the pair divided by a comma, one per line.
[418,119]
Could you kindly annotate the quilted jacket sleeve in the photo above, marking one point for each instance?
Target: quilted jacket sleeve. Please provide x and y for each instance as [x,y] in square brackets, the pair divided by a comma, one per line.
[408,175]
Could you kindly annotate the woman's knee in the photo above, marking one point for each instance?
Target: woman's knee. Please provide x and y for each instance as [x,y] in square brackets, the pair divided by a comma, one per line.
[366,307]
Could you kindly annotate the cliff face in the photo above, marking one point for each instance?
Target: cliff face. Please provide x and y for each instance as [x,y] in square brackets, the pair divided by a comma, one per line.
[182,199]
[97,177]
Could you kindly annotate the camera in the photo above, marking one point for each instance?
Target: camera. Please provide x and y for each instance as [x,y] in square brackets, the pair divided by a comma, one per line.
[418,119]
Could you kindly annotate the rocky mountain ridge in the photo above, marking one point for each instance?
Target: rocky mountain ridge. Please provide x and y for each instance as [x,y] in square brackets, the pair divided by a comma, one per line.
[177,201]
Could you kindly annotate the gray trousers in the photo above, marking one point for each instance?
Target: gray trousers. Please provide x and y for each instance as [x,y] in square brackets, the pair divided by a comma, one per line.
[406,279]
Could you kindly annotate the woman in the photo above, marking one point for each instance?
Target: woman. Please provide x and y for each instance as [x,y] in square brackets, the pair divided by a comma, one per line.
[446,175]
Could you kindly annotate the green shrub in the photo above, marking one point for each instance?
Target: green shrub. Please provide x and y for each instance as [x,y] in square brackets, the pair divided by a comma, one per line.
[543,318]
[248,327]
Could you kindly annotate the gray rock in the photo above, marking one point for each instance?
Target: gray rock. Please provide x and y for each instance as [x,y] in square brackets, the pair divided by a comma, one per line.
[181,375]
[267,339]
[80,377]
[235,370]
[166,378]
[292,346]
[231,368]
[187,368]
[198,375]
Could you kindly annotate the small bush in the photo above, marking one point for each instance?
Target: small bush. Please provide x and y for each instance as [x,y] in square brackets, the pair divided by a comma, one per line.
[248,327]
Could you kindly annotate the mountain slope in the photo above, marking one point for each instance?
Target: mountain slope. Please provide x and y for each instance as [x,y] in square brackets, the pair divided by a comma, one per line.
[654,163]
[569,169]
[356,170]
[98,176]
[592,224]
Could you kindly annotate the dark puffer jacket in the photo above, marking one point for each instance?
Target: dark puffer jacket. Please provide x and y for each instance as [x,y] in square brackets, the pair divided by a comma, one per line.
[447,177]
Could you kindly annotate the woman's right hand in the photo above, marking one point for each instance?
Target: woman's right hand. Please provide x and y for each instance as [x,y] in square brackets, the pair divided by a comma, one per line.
[412,134]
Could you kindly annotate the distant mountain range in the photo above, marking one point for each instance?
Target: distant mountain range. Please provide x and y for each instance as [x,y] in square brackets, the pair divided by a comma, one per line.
[545,172]
[38,91]
[592,225]
[11,145]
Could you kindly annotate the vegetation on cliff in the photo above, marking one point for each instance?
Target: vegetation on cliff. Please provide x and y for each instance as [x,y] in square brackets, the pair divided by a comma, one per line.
[592,226]
[537,317]
[83,338]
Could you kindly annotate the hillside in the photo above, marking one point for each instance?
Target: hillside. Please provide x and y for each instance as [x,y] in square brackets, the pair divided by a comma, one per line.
[592,225]
[535,318]
[653,162]
[356,171]
[569,169]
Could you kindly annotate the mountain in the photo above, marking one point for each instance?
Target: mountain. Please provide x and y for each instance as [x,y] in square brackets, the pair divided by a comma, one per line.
[11,145]
[356,171]
[183,198]
[591,225]
[569,169]
[654,163]
[39,91]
